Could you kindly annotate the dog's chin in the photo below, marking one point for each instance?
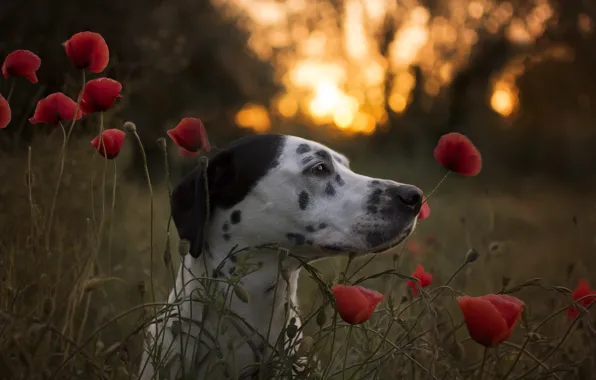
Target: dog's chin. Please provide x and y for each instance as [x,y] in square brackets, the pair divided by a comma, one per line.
[340,248]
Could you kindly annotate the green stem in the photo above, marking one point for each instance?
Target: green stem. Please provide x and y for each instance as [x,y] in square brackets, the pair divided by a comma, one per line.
[347,345]
[480,375]
[103,180]
[11,90]
[66,137]
[113,218]
[437,187]
[146,167]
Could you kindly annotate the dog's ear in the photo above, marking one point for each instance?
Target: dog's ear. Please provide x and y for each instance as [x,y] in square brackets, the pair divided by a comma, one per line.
[192,200]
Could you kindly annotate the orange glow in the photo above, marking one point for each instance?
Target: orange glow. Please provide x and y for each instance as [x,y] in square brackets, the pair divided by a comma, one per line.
[255,117]
[503,99]
[328,62]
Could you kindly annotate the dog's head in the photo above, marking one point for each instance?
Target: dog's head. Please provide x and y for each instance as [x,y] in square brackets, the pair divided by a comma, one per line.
[294,192]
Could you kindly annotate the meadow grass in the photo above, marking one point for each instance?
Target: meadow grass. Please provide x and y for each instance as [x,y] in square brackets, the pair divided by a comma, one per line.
[77,309]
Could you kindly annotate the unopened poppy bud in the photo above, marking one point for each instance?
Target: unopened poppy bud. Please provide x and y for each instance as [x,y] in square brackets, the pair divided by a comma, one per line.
[241,293]
[321,318]
[161,143]
[130,127]
[291,331]
[472,255]
[183,247]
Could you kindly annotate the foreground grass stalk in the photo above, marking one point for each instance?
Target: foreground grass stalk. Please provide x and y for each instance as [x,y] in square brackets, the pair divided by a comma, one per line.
[113,218]
[133,129]
[433,191]
[66,137]
[484,356]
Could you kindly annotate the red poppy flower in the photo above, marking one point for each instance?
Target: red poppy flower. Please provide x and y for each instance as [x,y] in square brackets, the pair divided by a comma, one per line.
[88,50]
[5,113]
[424,210]
[191,135]
[355,304]
[424,278]
[457,153]
[490,319]
[55,108]
[99,95]
[112,140]
[582,290]
[21,63]
[186,153]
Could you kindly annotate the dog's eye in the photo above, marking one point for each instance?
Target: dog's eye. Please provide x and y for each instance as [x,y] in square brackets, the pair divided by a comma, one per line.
[320,170]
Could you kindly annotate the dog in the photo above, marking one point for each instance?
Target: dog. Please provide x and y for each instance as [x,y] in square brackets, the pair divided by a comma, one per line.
[284,190]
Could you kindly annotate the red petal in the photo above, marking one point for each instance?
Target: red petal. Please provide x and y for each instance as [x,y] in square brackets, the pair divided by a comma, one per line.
[55,108]
[88,50]
[424,210]
[22,63]
[99,95]
[582,290]
[5,112]
[112,143]
[186,153]
[457,153]
[355,304]
[485,324]
[190,134]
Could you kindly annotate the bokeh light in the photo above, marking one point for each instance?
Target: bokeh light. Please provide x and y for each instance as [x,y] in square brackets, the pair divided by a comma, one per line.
[340,65]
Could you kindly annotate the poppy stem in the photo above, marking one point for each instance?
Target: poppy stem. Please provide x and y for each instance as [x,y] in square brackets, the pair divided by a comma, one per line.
[11,90]
[102,146]
[436,187]
[484,356]
[66,137]
[347,346]
[148,177]
[113,219]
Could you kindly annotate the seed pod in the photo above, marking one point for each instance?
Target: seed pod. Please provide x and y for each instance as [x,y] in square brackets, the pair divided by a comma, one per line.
[130,127]
[305,346]
[183,247]
[241,293]
[472,255]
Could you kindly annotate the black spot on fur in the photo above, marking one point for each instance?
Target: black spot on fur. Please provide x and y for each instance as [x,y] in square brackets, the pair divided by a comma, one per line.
[375,238]
[374,182]
[215,273]
[226,237]
[339,180]
[372,209]
[303,148]
[232,270]
[337,158]
[236,217]
[309,242]
[310,228]
[329,189]
[388,212]
[322,226]
[306,160]
[225,227]
[297,239]
[233,258]
[303,199]
[324,155]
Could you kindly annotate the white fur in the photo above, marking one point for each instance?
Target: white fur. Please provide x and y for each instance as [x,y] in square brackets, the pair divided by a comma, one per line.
[269,213]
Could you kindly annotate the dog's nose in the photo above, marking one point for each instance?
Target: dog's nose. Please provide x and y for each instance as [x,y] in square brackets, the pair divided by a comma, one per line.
[408,195]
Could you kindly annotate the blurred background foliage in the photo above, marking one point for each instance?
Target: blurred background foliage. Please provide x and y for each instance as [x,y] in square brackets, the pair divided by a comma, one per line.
[379,80]
[378,75]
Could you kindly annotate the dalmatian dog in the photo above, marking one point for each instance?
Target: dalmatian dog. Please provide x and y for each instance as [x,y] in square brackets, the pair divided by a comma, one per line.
[283,190]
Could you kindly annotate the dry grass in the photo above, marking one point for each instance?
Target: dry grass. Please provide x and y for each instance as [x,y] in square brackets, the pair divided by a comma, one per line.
[74,311]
